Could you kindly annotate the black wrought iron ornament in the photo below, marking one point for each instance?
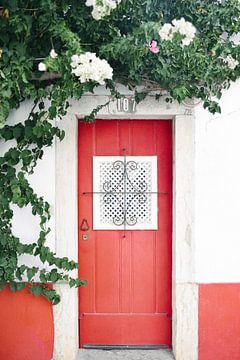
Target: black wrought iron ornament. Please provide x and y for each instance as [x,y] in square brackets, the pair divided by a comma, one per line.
[125,194]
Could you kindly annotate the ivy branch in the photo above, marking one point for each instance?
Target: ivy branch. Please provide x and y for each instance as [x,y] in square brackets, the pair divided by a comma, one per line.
[16,190]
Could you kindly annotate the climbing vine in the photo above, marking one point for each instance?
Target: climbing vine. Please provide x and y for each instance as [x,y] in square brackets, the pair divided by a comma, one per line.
[55,50]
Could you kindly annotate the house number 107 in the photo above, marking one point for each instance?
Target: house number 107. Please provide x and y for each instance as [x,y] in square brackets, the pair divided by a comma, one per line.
[127,105]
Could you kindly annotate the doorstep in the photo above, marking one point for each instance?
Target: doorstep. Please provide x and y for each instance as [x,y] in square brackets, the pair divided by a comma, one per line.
[125,355]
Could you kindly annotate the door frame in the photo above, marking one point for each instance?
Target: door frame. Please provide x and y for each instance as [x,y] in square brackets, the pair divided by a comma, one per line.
[184,288]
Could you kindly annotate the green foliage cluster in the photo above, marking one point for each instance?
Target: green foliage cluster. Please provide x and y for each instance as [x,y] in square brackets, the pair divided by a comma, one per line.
[29,30]
[31,137]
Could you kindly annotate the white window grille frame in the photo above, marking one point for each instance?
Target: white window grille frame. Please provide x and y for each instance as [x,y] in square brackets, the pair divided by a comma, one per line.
[152,193]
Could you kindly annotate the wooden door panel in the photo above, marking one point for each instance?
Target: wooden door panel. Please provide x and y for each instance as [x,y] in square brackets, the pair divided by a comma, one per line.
[125,329]
[143,138]
[126,275]
[125,136]
[106,138]
[107,271]
[128,296]
[143,272]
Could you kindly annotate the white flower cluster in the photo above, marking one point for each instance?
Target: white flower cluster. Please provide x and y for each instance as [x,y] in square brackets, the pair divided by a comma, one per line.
[231,62]
[88,67]
[182,27]
[102,8]
[42,66]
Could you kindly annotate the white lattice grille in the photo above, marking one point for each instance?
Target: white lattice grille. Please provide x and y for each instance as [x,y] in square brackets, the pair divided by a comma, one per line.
[125,192]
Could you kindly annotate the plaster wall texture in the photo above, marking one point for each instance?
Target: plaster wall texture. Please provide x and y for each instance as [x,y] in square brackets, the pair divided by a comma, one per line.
[217,191]
[25,225]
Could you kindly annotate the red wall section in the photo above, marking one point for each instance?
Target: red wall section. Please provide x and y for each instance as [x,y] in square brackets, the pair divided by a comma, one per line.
[219,322]
[26,326]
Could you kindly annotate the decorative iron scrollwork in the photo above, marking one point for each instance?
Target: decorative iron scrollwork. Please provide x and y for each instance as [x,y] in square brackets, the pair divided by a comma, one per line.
[125,193]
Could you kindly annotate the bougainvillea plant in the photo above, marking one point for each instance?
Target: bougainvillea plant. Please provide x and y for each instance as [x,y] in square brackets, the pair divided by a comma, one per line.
[55,50]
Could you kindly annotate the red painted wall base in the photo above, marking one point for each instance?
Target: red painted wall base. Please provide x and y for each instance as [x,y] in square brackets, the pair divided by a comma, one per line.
[219,322]
[26,326]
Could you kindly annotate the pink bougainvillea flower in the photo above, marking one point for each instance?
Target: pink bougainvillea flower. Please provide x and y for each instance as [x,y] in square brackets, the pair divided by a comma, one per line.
[153,47]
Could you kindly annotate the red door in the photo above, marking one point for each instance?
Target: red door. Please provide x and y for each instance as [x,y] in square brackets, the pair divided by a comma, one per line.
[128,297]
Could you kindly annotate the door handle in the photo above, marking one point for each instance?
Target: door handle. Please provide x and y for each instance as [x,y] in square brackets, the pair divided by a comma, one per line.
[84,225]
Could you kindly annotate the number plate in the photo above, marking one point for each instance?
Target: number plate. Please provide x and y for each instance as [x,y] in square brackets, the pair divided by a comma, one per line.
[124,105]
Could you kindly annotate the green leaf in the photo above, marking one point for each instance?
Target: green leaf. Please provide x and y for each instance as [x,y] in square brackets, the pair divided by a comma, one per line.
[72,283]
[17,132]
[56,300]
[31,273]
[36,290]
[4,112]
[13,286]
[54,277]
[3,284]
[43,278]
[21,286]
[49,294]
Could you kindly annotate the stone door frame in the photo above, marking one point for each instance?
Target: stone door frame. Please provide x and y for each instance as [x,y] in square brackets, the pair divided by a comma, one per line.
[185,290]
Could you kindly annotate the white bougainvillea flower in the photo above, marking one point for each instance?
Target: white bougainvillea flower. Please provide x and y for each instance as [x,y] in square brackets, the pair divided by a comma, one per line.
[186,29]
[182,27]
[89,67]
[235,38]
[231,62]
[102,8]
[75,61]
[53,54]
[186,41]
[42,67]
[165,32]
[99,12]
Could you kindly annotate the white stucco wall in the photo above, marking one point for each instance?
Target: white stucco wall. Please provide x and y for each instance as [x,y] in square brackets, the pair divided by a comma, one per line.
[25,225]
[217,191]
